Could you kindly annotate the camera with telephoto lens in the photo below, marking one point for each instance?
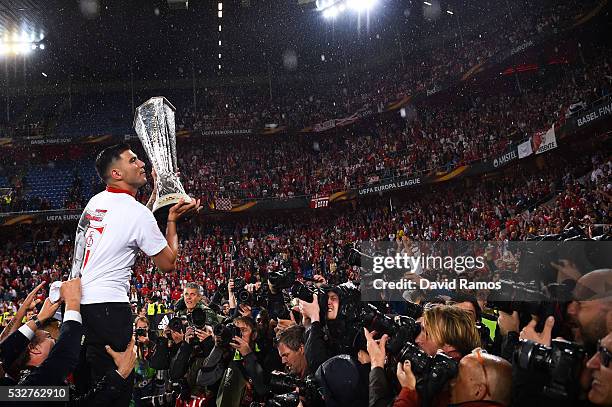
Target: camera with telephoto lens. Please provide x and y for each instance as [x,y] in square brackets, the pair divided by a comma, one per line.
[166,399]
[306,293]
[254,298]
[197,320]
[432,372]
[561,363]
[283,386]
[399,328]
[281,279]
[176,324]
[226,332]
[141,332]
[525,298]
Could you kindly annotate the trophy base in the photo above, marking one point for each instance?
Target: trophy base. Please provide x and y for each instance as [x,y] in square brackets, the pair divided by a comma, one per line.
[162,205]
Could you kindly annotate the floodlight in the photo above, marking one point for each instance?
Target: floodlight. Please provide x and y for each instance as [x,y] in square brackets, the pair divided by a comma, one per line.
[361,5]
[25,48]
[42,46]
[330,13]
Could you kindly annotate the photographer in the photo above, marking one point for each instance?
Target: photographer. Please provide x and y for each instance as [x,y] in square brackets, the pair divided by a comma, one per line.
[238,361]
[444,328]
[322,337]
[145,374]
[266,294]
[541,377]
[449,329]
[291,350]
[591,310]
[192,299]
[599,366]
[192,348]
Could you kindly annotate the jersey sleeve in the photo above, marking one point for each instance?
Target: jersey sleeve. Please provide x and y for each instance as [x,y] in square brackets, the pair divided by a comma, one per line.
[148,236]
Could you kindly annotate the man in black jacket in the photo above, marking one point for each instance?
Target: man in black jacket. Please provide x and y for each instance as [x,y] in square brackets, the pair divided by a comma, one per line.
[47,363]
[14,345]
[319,344]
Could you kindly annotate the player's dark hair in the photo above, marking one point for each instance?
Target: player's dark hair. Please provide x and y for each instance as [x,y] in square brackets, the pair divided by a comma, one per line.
[107,157]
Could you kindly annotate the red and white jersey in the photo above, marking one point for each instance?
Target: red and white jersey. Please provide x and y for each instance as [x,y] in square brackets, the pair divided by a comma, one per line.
[112,228]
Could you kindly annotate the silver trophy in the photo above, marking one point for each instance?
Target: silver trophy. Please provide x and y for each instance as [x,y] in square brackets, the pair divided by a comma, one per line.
[154,124]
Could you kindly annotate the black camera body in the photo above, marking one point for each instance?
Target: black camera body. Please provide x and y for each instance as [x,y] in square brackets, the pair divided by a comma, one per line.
[256,298]
[527,299]
[561,363]
[225,332]
[197,318]
[432,372]
[399,328]
[141,332]
[283,386]
[281,279]
[306,293]
[177,324]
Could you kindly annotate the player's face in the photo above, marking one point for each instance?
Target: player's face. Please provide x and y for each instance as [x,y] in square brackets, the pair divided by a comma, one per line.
[132,169]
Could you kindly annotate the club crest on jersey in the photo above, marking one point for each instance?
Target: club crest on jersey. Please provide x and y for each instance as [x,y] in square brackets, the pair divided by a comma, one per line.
[96,215]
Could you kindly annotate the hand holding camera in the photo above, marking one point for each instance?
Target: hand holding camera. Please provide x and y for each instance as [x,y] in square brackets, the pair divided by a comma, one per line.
[405,376]
[544,337]
[310,310]
[376,349]
[241,345]
[189,334]
[203,334]
[508,322]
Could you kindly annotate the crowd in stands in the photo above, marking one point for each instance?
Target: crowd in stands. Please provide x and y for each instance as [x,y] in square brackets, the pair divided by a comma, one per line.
[427,69]
[565,197]
[440,137]
[435,136]
[509,208]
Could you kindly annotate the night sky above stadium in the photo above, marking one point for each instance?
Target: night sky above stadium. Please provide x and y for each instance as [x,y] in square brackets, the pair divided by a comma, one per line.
[102,40]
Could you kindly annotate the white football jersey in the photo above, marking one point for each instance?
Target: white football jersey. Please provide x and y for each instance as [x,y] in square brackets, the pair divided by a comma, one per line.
[112,228]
